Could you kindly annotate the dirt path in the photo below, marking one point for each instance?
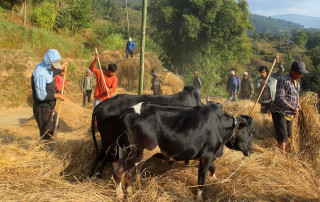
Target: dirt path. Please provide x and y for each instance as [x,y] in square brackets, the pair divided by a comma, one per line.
[16,117]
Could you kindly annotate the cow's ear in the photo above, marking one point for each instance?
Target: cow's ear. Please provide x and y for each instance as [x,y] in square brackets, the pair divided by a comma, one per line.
[242,122]
[242,125]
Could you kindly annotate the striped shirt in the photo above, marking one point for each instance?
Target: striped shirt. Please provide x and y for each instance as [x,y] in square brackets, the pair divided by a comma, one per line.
[287,96]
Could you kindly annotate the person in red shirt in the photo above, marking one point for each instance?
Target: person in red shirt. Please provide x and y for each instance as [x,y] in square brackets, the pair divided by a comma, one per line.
[58,80]
[101,92]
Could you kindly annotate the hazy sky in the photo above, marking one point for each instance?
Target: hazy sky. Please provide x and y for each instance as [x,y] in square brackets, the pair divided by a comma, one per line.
[280,7]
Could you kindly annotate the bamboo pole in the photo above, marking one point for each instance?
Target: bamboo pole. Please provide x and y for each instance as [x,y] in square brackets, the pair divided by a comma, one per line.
[143,36]
[104,81]
[59,109]
[263,87]
[127,18]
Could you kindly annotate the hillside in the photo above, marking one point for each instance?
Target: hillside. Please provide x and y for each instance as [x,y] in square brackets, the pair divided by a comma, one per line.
[270,25]
[306,21]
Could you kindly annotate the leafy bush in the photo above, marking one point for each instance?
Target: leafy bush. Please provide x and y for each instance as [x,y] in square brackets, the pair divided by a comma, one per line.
[44,15]
[107,36]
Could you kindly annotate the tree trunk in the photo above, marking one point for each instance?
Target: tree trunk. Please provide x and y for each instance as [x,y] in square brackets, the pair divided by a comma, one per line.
[25,13]
[22,8]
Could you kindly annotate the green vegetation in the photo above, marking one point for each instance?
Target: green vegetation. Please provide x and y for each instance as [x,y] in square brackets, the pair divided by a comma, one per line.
[210,37]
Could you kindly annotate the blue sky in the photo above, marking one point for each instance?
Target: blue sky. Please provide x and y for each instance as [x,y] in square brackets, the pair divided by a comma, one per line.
[280,7]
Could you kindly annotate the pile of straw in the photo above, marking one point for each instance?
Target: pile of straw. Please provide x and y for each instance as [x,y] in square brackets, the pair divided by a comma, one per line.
[129,72]
[172,83]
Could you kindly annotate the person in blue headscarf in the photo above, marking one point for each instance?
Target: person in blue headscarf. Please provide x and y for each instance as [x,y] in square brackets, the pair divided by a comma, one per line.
[44,94]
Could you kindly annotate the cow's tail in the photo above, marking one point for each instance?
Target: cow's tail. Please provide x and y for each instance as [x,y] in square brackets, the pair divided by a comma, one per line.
[93,130]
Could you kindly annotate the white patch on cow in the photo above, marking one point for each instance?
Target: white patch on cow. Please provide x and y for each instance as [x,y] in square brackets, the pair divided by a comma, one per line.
[148,154]
[137,107]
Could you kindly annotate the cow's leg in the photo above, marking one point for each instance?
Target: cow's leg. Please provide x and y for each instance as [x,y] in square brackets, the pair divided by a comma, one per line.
[123,169]
[101,161]
[205,162]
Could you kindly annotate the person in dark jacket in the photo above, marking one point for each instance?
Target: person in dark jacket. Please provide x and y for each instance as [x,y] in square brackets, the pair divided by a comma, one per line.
[197,81]
[86,86]
[44,94]
[233,86]
[156,84]
[247,87]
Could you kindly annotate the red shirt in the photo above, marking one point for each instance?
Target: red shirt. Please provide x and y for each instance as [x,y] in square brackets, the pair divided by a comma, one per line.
[111,81]
[59,80]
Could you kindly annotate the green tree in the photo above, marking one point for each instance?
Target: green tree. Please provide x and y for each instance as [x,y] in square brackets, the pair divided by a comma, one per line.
[73,15]
[300,39]
[207,36]
[44,15]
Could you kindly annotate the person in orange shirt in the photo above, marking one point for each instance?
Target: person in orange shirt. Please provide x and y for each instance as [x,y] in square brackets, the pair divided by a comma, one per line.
[101,92]
[58,82]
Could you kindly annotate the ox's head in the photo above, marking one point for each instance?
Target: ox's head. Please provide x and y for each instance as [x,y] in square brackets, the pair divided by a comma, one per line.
[242,139]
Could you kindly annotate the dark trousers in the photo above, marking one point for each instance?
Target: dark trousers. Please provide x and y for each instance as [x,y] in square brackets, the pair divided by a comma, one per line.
[129,51]
[86,93]
[46,120]
[282,126]
[265,108]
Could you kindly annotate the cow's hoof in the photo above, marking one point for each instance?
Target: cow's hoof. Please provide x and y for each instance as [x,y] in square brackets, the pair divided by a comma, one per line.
[199,195]
[214,177]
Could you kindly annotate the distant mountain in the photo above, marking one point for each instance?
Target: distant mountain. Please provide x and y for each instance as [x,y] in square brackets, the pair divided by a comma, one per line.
[270,25]
[306,21]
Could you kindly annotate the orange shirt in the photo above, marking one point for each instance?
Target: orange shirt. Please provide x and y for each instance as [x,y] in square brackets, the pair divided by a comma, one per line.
[112,82]
[58,81]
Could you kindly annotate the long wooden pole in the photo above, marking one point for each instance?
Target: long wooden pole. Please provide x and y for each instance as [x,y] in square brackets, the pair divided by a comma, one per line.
[58,116]
[104,81]
[127,18]
[263,87]
[143,36]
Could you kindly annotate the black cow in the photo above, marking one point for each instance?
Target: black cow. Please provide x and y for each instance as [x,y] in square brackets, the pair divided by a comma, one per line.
[108,112]
[181,133]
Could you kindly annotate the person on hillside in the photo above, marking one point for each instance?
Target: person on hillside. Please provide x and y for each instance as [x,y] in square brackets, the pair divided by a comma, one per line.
[286,103]
[44,94]
[233,86]
[130,48]
[247,87]
[58,80]
[197,82]
[86,86]
[111,80]
[269,91]
[156,82]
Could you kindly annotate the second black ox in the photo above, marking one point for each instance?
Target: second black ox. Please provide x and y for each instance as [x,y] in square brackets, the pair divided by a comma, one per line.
[181,133]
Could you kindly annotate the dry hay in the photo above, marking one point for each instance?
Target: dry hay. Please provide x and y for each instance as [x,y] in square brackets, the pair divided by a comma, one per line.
[35,171]
[172,83]
[111,56]
[129,69]
[308,140]
[72,115]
